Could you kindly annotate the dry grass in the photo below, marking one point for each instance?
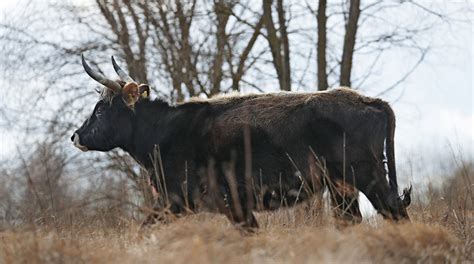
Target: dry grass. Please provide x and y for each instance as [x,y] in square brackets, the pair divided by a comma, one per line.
[294,235]
[441,231]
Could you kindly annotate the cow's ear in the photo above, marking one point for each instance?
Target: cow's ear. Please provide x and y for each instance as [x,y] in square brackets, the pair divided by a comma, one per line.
[130,93]
[144,91]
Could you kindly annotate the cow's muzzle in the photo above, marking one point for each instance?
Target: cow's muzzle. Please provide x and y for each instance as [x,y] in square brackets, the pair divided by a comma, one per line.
[77,143]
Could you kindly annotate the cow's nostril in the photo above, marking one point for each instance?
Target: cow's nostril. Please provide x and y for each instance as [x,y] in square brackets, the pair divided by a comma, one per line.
[72,137]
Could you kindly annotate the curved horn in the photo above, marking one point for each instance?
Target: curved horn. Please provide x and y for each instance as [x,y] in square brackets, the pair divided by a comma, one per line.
[99,77]
[121,73]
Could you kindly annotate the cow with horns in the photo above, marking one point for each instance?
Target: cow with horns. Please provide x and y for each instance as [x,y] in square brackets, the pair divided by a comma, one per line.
[241,151]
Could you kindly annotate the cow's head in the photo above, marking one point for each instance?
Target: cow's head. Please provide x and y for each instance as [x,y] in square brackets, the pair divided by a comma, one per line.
[398,206]
[111,122]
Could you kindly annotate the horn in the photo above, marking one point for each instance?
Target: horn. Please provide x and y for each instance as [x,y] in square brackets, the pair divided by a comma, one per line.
[121,73]
[407,196]
[99,77]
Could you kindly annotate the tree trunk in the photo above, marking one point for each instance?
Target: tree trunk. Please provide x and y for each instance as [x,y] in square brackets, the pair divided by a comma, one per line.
[185,52]
[321,46]
[223,12]
[349,43]
[285,46]
[113,13]
[237,77]
[280,59]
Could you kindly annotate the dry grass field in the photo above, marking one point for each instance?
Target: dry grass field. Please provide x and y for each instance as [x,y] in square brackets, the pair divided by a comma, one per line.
[441,230]
[296,235]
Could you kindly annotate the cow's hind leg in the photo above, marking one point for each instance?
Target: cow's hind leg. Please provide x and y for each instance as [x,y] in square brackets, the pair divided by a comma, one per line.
[373,183]
[344,198]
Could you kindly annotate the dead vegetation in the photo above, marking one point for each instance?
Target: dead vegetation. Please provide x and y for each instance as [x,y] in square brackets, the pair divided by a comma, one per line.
[43,219]
[102,225]
[439,233]
[286,236]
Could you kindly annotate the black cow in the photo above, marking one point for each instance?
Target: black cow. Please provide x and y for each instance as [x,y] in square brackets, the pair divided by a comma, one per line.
[239,151]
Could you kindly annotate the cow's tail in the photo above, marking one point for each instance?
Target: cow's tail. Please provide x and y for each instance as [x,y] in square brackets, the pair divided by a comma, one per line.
[389,142]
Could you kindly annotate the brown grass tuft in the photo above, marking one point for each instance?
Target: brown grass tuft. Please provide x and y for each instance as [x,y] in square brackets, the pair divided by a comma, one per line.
[209,238]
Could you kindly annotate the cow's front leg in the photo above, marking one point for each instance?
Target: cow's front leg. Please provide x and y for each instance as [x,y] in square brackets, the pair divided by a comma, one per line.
[239,212]
[165,210]
[169,201]
[159,215]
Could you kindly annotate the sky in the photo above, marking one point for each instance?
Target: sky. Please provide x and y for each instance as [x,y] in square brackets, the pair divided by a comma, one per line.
[435,106]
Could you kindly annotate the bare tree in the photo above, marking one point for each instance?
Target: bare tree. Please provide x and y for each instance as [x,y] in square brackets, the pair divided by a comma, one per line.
[46,192]
[279,44]
[321,46]
[349,43]
[223,12]
[116,14]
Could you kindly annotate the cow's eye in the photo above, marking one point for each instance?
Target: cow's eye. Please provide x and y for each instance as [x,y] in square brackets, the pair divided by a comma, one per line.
[98,112]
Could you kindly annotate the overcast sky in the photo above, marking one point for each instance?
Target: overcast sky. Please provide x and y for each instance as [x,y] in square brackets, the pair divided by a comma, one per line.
[435,105]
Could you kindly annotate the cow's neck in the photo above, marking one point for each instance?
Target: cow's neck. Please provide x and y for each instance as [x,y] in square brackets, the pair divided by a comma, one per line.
[151,127]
